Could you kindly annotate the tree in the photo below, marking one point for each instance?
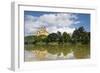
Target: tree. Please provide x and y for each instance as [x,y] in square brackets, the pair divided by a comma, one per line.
[52,37]
[80,35]
[60,39]
[29,39]
[74,38]
[59,33]
[66,37]
[86,38]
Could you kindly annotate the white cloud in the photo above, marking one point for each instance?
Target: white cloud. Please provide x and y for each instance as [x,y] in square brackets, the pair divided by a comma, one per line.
[63,29]
[53,23]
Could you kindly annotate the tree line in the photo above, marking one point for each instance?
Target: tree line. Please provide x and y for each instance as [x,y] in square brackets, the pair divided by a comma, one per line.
[78,36]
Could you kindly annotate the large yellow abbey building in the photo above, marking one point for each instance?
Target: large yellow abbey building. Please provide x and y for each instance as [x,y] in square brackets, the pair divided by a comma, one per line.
[42,31]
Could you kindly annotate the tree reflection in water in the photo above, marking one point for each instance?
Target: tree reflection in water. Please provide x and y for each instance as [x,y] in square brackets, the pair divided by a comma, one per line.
[58,52]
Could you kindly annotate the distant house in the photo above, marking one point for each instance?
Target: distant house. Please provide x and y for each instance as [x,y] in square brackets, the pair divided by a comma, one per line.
[42,31]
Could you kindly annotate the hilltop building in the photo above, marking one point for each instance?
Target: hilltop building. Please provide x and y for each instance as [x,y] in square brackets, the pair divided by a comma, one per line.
[42,31]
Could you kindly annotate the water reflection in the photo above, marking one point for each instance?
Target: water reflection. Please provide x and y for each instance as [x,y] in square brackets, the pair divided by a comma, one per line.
[40,55]
[56,52]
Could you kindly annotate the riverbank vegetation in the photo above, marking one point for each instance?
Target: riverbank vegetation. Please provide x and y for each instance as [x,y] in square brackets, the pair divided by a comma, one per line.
[79,36]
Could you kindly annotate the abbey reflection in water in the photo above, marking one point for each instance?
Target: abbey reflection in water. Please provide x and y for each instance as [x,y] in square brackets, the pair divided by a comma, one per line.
[57,52]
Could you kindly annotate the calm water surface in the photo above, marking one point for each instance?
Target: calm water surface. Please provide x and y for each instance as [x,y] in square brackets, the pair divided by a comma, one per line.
[56,52]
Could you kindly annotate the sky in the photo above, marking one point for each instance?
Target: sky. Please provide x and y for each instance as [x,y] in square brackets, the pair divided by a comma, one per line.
[54,21]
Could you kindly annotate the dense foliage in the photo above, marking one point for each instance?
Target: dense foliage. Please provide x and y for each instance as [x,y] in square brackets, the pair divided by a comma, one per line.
[78,36]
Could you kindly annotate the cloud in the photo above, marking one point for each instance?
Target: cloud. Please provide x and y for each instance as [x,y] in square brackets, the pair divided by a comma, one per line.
[63,29]
[53,23]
